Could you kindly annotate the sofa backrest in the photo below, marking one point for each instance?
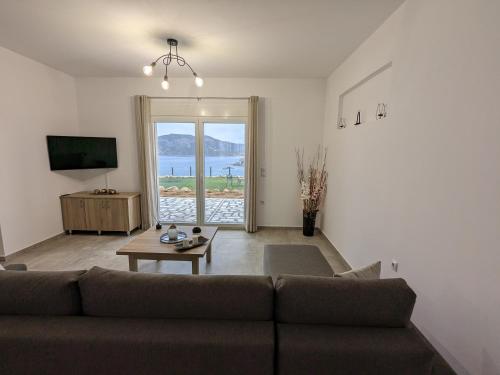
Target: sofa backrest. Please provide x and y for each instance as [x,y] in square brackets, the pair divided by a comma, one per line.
[39,293]
[110,293]
[343,302]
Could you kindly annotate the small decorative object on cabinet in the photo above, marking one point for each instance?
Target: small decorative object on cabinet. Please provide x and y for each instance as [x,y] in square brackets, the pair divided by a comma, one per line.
[312,181]
[105,192]
[119,212]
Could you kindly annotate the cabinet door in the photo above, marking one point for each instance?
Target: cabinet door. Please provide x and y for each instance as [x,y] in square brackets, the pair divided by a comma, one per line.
[114,215]
[92,214]
[74,214]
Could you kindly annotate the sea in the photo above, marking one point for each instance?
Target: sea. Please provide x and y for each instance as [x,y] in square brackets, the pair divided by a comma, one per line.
[214,165]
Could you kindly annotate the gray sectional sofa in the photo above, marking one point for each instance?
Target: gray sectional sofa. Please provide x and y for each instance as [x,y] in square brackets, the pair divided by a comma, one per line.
[116,322]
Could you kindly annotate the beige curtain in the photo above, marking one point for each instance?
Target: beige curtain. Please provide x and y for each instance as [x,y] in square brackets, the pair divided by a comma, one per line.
[146,146]
[251,166]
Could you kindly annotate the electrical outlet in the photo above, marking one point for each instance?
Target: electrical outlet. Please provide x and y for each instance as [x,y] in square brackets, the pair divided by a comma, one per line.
[263,172]
[395,265]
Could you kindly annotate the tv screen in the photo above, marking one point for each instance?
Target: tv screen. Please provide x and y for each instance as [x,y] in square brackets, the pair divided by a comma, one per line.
[81,152]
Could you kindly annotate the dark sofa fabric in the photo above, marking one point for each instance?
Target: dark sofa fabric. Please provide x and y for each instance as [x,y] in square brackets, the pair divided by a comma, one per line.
[131,323]
[80,345]
[440,367]
[39,293]
[343,302]
[295,260]
[139,295]
[326,350]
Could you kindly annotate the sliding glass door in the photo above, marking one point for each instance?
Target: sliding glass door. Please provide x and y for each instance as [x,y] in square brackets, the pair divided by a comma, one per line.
[224,180]
[176,161]
[201,171]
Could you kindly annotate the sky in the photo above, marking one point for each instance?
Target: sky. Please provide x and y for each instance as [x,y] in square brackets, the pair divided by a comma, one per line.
[225,132]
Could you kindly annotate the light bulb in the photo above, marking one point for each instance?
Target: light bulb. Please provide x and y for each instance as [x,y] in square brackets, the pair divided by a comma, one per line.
[165,85]
[198,81]
[148,70]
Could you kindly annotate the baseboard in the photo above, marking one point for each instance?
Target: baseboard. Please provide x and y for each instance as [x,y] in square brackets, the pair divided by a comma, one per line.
[17,253]
[277,227]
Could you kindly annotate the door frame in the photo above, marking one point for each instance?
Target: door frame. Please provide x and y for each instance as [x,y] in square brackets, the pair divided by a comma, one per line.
[199,122]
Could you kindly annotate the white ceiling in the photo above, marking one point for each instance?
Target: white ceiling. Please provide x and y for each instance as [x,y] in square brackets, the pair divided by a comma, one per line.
[219,38]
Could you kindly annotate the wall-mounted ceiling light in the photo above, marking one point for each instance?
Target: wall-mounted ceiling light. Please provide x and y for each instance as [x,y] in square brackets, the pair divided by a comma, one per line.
[167,60]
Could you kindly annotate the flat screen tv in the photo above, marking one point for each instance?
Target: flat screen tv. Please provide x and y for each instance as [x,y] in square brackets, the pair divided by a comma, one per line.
[81,152]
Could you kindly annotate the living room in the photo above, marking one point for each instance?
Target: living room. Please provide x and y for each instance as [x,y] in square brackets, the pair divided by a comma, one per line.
[399,97]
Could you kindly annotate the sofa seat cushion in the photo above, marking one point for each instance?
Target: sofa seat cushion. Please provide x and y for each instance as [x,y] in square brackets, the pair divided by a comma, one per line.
[103,346]
[351,351]
[295,260]
[140,295]
[39,293]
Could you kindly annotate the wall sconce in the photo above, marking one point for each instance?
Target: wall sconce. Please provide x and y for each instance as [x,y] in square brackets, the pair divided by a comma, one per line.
[341,123]
[358,119]
[381,111]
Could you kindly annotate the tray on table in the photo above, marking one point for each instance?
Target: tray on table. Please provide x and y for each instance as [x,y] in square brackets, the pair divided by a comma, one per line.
[201,241]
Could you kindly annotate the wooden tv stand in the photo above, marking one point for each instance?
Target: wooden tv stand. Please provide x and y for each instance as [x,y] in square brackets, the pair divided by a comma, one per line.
[86,211]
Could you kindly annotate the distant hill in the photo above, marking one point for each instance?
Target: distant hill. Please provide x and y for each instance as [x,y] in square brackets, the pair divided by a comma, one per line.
[184,145]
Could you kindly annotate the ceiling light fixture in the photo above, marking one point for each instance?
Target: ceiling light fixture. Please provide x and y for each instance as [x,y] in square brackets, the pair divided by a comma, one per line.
[167,60]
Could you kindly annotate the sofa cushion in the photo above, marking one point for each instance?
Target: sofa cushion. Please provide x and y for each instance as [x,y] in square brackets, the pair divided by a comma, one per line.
[295,260]
[39,293]
[369,272]
[345,302]
[351,350]
[80,345]
[140,295]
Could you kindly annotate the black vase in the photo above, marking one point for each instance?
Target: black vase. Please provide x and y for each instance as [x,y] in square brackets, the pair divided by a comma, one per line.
[308,223]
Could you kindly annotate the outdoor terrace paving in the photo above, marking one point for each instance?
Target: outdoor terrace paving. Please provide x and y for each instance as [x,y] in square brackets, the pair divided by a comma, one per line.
[217,210]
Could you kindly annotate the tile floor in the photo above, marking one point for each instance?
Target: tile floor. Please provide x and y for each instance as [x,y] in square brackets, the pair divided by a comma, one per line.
[233,252]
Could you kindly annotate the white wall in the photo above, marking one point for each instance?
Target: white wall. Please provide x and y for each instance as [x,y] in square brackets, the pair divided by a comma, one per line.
[292,115]
[35,101]
[422,186]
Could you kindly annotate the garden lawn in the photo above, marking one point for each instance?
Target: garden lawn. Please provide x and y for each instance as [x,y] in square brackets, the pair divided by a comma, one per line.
[211,183]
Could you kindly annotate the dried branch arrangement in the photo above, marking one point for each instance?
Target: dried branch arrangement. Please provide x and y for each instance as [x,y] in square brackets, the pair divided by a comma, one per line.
[312,180]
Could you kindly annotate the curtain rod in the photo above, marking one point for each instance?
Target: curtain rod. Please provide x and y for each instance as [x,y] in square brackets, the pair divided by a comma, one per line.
[197,97]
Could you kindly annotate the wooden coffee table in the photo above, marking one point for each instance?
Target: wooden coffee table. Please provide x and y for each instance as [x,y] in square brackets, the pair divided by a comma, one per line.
[148,246]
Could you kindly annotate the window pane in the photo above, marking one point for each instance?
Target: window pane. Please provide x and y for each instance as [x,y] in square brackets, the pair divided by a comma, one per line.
[176,158]
[224,153]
